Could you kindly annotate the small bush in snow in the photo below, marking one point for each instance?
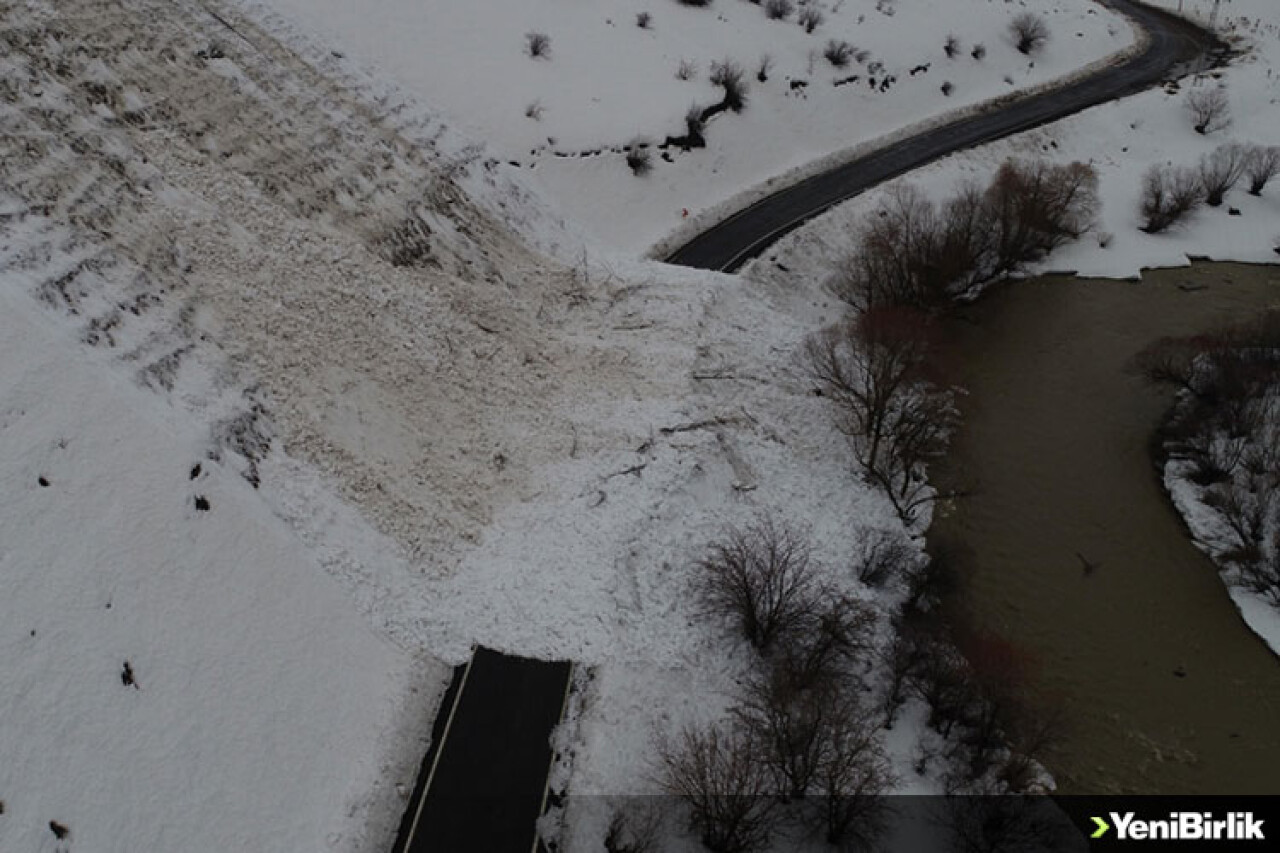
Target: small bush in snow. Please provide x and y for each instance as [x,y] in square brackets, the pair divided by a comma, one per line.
[644,20]
[725,786]
[686,70]
[634,830]
[951,47]
[779,10]
[728,75]
[534,110]
[979,51]
[885,556]
[1029,32]
[761,577]
[810,18]
[695,3]
[947,88]
[838,52]
[1263,165]
[1210,109]
[762,70]
[1221,171]
[538,45]
[1168,195]
[639,158]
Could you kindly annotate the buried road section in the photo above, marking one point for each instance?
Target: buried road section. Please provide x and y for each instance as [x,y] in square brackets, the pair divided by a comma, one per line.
[483,783]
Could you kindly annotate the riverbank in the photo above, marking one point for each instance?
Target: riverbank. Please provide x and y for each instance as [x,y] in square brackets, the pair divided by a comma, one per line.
[1078,556]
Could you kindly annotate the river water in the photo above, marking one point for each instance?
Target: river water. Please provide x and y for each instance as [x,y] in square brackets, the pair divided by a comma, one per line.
[1163,688]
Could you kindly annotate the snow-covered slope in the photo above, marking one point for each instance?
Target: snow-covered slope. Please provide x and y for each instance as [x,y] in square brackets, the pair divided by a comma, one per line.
[564,120]
[177,672]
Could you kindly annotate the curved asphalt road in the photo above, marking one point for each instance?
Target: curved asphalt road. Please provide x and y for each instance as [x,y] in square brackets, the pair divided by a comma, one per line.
[1174,43]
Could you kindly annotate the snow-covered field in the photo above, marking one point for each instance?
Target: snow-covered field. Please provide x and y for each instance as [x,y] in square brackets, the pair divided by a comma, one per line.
[566,119]
[281,239]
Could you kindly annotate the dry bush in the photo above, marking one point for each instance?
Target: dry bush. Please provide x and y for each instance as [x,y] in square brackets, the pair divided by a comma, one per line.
[639,157]
[686,70]
[979,52]
[1262,165]
[951,47]
[1038,206]
[827,644]
[778,10]
[838,52]
[850,782]
[726,788]
[644,20]
[1210,109]
[537,45]
[695,3]
[1168,194]
[634,830]
[763,68]
[875,369]
[1221,171]
[810,18]
[761,577]
[1029,32]
[729,76]
[885,556]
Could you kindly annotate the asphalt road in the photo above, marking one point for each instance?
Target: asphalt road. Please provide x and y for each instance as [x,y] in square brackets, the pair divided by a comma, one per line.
[483,782]
[1174,46]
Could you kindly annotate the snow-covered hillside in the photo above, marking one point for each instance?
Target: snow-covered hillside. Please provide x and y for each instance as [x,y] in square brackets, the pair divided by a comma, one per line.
[565,120]
[281,241]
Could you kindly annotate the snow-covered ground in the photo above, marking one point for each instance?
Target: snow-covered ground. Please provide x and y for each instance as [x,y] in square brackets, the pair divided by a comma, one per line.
[240,234]
[565,120]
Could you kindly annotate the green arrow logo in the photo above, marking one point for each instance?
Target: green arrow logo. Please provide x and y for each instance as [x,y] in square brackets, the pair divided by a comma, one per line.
[1103,826]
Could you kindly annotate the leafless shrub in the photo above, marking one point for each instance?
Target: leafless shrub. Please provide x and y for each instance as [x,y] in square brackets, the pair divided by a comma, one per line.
[838,52]
[1168,195]
[979,52]
[810,18]
[951,47]
[1210,109]
[633,830]
[1221,171]
[827,643]
[639,157]
[718,774]
[644,20]
[408,244]
[1262,165]
[875,369]
[1037,206]
[534,110]
[728,75]
[884,556]
[537,45]
[686,70]
[779,10]
[762,70]
[1029,32]
[694,123]
[694,3]
[761,577]
[985,821]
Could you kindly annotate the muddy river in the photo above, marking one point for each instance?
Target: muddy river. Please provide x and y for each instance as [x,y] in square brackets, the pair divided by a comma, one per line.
[1163,687]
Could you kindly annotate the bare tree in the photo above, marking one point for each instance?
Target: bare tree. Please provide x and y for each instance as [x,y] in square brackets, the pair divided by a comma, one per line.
[1168,195]
[1210,109]
[895,255]
[717,772]
[760,576]
[1029,32]
[884,556]
[851,780]
[633,830]
[1222,170]
[639,157]
[876,371]
[1037,206]
[1262,165]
